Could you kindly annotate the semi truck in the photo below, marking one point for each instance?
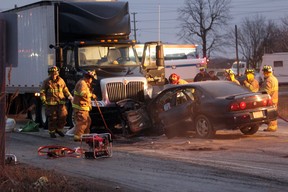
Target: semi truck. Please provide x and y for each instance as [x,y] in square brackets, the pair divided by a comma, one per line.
[75,36]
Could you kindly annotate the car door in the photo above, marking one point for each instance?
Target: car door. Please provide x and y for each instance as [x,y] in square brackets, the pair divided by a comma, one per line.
[177,108]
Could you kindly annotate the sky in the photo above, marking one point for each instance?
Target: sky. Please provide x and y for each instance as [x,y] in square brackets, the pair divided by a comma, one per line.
[157,19]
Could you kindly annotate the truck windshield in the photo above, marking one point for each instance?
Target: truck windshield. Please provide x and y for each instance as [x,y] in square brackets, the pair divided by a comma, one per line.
[107,56]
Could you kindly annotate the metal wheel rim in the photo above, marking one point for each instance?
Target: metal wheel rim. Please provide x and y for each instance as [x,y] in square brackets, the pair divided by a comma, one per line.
[202,127]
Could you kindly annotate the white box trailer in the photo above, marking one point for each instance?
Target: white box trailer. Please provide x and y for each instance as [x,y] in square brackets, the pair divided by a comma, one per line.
[36,32]
[279,63]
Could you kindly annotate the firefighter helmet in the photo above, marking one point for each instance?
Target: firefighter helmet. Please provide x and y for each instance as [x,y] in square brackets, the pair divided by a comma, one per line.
[53,69]
[249,71]
[267,68]
[202,68]
[229,72]
[174,78]
[91,74]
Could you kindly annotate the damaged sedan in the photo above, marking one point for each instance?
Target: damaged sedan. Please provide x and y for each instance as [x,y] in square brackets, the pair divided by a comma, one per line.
[208,106]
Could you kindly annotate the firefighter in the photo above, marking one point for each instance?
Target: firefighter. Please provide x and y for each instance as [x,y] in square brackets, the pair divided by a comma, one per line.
[202,75]
[175,79]
[250,82]
[82,104]
[270,85]
[52,94]
[230,76]
[213,76]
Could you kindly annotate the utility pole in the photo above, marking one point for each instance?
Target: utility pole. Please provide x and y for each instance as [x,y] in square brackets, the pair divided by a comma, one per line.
[236,42]
[134,21]
[2,93]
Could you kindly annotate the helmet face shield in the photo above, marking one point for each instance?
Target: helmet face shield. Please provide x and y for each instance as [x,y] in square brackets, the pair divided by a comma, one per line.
[267,68]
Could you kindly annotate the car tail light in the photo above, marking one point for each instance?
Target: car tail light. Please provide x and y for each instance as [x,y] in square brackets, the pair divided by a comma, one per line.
[234,107]
[238,106]
[242,105]
[267,102]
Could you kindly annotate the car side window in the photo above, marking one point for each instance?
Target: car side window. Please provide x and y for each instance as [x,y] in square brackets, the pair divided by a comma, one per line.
[164,103]
[174,98]
[198,95]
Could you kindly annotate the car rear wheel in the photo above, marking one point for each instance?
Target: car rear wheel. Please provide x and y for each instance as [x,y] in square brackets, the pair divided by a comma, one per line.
[250,130]
[203,127]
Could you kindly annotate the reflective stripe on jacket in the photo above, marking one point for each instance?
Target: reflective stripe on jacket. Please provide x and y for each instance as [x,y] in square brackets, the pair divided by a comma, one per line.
[82,96]
[54,92]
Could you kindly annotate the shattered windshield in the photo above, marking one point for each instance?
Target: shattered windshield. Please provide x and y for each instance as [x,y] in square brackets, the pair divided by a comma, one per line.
[107,56]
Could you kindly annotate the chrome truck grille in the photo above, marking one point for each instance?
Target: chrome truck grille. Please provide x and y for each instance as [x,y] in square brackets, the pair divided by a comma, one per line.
[132,90]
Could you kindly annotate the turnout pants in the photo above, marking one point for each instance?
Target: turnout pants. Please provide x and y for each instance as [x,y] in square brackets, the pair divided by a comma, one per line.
[83,122]
[56,115]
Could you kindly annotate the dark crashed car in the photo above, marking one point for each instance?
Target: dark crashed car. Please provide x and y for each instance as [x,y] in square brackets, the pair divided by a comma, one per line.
[208,106]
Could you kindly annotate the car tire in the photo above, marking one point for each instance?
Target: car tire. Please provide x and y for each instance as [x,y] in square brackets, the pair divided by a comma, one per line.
[203,127]
[250,130]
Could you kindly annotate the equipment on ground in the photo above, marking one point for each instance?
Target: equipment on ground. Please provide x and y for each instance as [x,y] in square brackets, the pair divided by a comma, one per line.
[55,151]
[99,145]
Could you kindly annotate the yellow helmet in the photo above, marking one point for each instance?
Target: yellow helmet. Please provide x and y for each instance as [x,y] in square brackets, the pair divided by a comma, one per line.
[202,69]
[249,71]
[229,71]
[53,69]
[91,74]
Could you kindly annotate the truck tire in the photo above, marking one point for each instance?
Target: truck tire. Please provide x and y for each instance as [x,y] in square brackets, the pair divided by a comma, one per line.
[42,116]
[31,114]
[70,116]
[37,112]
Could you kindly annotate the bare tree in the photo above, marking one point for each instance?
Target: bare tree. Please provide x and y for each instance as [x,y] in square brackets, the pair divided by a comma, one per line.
[283,36]
[255,37]
[202,22]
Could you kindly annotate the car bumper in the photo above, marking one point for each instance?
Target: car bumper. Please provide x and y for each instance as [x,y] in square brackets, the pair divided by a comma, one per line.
[244,119]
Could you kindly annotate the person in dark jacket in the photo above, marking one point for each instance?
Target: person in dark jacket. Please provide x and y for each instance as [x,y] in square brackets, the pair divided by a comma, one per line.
[202,75]
[212,75]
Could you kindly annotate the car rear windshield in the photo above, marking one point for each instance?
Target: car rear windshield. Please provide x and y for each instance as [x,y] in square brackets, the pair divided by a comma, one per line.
[221,89]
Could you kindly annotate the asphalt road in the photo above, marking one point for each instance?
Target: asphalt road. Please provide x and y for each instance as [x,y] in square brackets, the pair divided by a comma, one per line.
[230,162]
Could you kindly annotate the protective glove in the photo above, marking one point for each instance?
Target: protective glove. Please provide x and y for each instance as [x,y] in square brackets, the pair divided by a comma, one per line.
[94,96]
[70,98]
[44,102]
[246,83]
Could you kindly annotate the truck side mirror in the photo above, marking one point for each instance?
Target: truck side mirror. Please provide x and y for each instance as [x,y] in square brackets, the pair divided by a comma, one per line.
[159,55]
